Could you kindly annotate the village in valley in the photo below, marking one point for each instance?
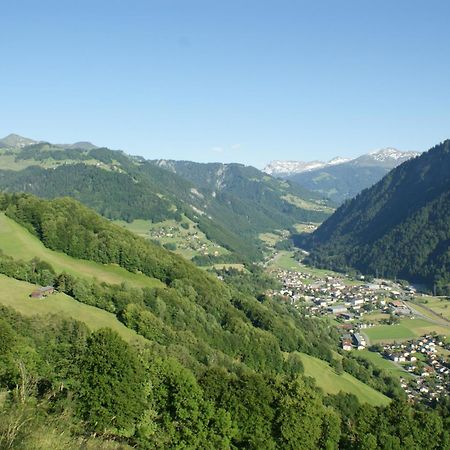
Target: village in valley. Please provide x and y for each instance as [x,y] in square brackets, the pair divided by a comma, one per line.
[381,319]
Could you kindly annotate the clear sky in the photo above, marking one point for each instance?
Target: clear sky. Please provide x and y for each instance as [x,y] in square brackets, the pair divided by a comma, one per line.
[229,80]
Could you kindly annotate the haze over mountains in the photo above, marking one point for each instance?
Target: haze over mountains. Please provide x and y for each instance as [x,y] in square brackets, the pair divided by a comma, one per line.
[340,178]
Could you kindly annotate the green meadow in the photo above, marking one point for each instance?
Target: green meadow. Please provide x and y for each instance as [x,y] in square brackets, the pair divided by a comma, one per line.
[17,242]
[332,383]
[406,329]
[382,363]
[16,295]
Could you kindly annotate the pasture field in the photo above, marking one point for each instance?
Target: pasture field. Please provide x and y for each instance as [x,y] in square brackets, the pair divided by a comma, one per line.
[438,305]
[305,204]
[406,329]
[389,333]
[17,242]
[189,242]
[285,260]
[270,238]
[332,383]
[15,294]
[375,316]
[383,363]
[306,227]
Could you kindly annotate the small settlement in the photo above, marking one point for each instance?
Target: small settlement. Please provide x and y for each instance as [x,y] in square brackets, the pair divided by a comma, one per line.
[425,360]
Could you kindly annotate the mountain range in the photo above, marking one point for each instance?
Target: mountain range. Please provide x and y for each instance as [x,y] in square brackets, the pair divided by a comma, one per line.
[230,203]
[400,227]
[340,178]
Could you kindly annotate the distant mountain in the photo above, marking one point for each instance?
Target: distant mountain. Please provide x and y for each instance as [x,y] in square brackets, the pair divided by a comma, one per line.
[15,141]
[80,145]
[285,169]
[386,157]
[400,227]
[341,179]
[231,204]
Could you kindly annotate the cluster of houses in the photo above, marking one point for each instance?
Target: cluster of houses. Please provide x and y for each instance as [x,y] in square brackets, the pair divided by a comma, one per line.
[333,296]
[191,240]
[427,364]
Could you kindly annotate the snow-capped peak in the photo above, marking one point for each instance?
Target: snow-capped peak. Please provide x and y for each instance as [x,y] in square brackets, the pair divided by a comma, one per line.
[390,153]
[337,160]
[286,168]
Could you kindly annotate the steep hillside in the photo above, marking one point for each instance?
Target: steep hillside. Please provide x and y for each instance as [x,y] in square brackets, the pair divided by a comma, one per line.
[16,295]
[186,302]
[123,187]
[341,179]
[398,228]
[221,367]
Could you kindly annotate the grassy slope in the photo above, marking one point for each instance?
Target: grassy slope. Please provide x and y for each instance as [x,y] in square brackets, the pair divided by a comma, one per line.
[383,363]
[332,383]
[188,246]
[15,294]
[20,244]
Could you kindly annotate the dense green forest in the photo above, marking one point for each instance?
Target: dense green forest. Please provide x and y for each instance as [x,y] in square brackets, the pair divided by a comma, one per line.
[398,228]
[68,388]
[119,186]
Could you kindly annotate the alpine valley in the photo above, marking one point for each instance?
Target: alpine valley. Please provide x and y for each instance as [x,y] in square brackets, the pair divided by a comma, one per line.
[159,304]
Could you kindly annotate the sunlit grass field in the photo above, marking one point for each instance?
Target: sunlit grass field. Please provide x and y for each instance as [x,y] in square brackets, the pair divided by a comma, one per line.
[17,242]
[16,294]
[332,383]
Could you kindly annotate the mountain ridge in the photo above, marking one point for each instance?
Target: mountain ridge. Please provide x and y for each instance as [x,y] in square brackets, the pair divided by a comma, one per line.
[398,228]
[124,187]
[342,181]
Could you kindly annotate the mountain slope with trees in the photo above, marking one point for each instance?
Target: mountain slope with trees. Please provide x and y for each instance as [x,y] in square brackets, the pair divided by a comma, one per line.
[398,228]
[124,187]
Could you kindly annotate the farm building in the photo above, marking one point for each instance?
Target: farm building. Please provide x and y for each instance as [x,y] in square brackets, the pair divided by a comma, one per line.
[43,292]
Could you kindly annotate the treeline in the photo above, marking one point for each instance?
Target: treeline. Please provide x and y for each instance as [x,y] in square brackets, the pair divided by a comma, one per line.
[399,228]
[72,389]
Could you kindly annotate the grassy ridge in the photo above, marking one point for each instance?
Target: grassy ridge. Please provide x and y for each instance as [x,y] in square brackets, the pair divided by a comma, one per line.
[17,242]
[15,294]
[332,383]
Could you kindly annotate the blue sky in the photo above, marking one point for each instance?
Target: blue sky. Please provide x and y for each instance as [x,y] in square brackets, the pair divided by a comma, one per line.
[246,81]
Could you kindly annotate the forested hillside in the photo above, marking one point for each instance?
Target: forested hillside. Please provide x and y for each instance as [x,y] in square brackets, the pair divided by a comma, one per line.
[398,228]
[219,367]
[119,186]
